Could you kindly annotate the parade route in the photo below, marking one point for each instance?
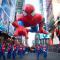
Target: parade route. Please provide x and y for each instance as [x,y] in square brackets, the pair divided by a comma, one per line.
[32,56]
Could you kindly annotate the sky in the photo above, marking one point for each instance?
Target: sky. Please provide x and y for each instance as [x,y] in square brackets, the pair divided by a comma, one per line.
[35,3]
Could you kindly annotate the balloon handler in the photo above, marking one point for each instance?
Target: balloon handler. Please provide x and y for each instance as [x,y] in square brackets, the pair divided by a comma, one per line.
[45,49]
[21,50]
[3,51]
[39,51]
[0,50]
[14,52]
[9,54]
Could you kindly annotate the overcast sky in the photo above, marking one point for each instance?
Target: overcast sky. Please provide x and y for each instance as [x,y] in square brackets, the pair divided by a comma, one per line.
[35,3]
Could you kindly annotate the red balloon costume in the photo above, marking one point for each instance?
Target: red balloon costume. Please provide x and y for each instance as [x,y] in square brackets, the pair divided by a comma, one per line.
[28,19]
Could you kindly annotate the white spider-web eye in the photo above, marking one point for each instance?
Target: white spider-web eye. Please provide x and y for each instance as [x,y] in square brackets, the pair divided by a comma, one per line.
[32,13]
[25,14]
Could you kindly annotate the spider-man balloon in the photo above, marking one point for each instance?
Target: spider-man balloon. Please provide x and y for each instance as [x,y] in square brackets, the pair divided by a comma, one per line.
[28,19]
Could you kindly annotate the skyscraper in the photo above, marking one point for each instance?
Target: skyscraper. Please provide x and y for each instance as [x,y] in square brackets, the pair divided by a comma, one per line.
[7,10]
[49,9]
[41,7]
[19,5]
[56,8]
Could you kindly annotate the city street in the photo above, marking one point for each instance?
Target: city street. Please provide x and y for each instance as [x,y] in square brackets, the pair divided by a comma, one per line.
[51,56]
[32,56]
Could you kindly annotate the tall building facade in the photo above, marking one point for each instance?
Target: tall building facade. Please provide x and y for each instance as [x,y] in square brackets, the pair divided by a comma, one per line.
[4,13]
[56,8]
[49,10]
[43,10]
[19,5]
[41,7]
[7,11]
[46,9]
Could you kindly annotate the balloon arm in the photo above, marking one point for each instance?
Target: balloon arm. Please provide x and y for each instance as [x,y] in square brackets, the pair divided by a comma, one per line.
[42,30]
[20,29]
[15,24]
